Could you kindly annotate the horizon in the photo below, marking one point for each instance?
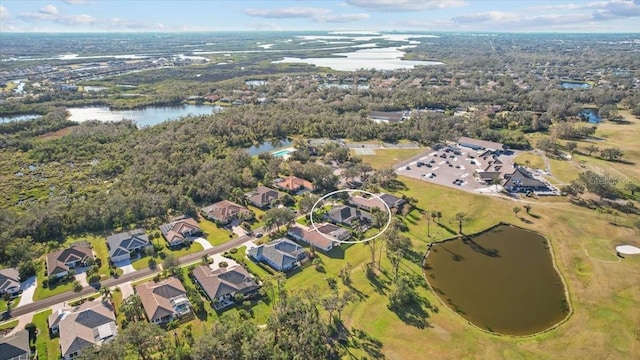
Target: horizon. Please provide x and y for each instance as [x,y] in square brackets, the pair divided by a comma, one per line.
[542,16]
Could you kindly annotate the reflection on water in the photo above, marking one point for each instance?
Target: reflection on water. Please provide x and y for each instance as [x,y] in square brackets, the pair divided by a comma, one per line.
[502,280]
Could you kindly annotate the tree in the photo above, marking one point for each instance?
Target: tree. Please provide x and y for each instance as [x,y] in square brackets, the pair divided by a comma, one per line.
[460,217]
[27,269]
[601,185]
[170,263]
[132,308]
[632,188]
[516,210]
[345,274]
[611,154]
[106,293]
[274,218]
[546,144]
[76,286]
[573,189]
[571,146]
[428,224]
[306,202]
[402,294]
[144,338]
[609,112]
[436,215]
[527,208]
[591,149]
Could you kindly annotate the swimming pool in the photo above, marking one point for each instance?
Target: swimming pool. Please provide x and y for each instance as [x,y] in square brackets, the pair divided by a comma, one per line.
[283,152]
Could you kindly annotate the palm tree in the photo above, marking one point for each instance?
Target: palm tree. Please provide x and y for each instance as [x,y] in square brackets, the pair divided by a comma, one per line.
[428,225]
[516,210]
[106,293]
[460,217]
[77,287]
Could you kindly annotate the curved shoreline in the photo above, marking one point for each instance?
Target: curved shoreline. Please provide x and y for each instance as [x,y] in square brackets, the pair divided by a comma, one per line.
[555,267]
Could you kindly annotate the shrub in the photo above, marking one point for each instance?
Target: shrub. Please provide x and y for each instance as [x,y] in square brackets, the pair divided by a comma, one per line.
[234,250]
[223,264]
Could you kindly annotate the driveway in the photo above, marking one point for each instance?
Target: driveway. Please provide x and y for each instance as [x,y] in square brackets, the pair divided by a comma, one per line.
[28,289]
[82,278]
[217,258]
[22,321]
[126,289]
[126,266]
[204,242]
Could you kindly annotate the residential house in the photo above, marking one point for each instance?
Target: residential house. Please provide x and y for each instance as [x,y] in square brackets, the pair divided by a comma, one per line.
[281,254]
[488,176]
[262,196]
[347,215]
[16,346]
[522,181]
[122,245]
[164,301]
[224,211]
[294,184]
[90,324]
[180,230]
[477,144]
[325,238]
[393,202]
[60,262]
[223,284]
[9,281]
[367,203]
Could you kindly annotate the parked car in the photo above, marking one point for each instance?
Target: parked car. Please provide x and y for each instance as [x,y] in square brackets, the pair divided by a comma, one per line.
[259,235]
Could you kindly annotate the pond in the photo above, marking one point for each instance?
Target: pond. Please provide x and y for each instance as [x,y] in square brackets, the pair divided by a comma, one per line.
[143,117]
[502,280]
[575,85]
[591,115]
[269,146]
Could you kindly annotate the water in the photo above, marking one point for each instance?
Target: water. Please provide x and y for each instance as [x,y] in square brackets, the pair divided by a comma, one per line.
[268,146]
[591,115]
[5,119]
[575,85]
[380,58]
[503,281]
[148,116]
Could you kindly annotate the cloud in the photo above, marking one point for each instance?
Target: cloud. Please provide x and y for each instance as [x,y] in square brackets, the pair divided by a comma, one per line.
[406,5]
[48,10]
[604,10]
[4,13]
[316,14]
[343,18]
[512,21]
[75,2]
[290,12]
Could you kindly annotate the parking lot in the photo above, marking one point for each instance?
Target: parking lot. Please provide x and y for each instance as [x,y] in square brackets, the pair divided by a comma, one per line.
[453,166]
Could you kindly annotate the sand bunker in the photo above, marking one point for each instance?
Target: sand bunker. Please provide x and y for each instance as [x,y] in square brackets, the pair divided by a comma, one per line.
[628,249]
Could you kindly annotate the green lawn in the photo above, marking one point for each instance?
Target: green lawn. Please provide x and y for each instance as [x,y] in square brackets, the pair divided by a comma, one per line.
[531,160]
[216,234]
[14,303]
[143,262]
[42,292]
[256,269]
[9,325]
[46,347]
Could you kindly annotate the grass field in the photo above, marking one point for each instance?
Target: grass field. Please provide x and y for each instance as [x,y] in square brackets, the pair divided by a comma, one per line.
[386,158]
[534,161]
[603,291]
[42,292]
[46,347]
[8,325]
[216,235]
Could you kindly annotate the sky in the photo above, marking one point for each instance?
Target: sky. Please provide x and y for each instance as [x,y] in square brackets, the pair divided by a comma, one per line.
[330,15]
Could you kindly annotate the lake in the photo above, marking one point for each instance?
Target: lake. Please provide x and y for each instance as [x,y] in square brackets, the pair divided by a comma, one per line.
[379,58]
[591,115]
[268,146]
[147,116]
[575,85]
[502,280]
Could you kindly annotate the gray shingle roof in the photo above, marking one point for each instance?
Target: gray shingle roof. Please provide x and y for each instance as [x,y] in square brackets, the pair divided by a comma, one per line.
[126,241]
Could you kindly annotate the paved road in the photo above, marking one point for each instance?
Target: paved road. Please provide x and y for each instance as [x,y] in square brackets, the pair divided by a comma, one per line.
[48,302]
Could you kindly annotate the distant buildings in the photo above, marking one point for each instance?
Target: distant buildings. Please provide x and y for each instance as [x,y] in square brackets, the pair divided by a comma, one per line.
[262,196]
[477,144]
[294,184]
[522,181]
[224,211]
